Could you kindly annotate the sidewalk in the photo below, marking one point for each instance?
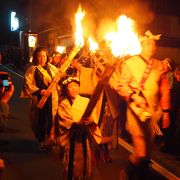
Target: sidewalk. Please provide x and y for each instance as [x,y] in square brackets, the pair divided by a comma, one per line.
[169,161]
[165,164]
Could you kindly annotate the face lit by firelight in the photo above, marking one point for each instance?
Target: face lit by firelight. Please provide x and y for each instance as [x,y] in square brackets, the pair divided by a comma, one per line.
[149,47]
[42,58]
[72,90]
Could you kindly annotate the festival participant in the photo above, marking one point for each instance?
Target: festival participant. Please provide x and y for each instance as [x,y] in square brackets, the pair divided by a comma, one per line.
[168,68]
[171,139]
[56,59]
[143,84]
[110,106]
[75,131]
[37,78]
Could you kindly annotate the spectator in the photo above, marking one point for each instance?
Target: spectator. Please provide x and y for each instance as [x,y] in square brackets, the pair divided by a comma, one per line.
[168,67]
[172,141]
[56,59]
[6,93]
[176,108]
[1,58]
[5,96]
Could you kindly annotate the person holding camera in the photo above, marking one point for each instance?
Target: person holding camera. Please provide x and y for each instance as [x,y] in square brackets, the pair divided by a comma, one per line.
[6,93]
[146,91]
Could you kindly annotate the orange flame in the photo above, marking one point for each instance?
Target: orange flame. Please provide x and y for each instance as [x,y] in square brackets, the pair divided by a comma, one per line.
[79,40]
[124,41]
[93,45]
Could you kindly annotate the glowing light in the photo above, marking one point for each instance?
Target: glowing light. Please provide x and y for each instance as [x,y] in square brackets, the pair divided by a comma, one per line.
[31,41]
[61,49]
[124,41]
[14,21]
[79,40]
[93,45]
[30,59]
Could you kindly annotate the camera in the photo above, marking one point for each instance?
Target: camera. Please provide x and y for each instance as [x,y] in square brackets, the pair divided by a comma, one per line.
[4,80]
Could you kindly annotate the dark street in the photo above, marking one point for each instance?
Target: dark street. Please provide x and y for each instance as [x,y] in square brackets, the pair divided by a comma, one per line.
[23,161]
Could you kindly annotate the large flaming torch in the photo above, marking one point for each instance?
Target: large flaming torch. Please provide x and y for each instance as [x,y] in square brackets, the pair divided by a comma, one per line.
[93,45]
[124,41]
[79,42]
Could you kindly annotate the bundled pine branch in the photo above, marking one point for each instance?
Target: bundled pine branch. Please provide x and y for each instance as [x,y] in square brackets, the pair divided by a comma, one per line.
[106,75]
[58,76]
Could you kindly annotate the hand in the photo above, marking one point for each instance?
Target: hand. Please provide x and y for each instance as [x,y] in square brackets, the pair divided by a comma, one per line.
[2,165]
[76,65]
[45,92]
[157,129]
[6,95]
[87,120]
[63,75]
[165,120]
[140,101]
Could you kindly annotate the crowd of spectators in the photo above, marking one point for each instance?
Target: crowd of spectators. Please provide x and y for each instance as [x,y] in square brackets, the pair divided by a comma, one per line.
[13,56]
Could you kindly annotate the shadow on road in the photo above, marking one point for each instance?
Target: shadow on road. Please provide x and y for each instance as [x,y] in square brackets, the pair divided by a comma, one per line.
[18,146]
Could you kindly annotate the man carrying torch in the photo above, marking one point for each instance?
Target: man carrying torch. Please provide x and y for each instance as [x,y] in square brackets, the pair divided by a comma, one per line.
[143,84]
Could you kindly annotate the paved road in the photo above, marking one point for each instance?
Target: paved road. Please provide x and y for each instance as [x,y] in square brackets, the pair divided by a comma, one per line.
[18,148]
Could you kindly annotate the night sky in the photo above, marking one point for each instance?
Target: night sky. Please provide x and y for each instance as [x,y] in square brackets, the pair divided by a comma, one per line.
[46,14]
[6,6]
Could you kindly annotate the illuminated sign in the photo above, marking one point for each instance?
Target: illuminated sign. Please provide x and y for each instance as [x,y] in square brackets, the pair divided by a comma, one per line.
[61,49]
[32,38]
[14,21]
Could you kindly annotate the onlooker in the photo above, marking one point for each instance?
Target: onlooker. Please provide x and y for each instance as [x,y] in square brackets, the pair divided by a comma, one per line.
[6,92]
[1,58]
[172,135]
[5,96]
[168,68]
[175,99]
[56,59]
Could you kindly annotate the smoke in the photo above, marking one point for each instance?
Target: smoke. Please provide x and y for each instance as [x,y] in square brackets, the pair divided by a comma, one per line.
[99,13]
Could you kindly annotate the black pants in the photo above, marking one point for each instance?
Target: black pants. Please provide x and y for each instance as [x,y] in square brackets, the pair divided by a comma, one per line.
[45,121]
